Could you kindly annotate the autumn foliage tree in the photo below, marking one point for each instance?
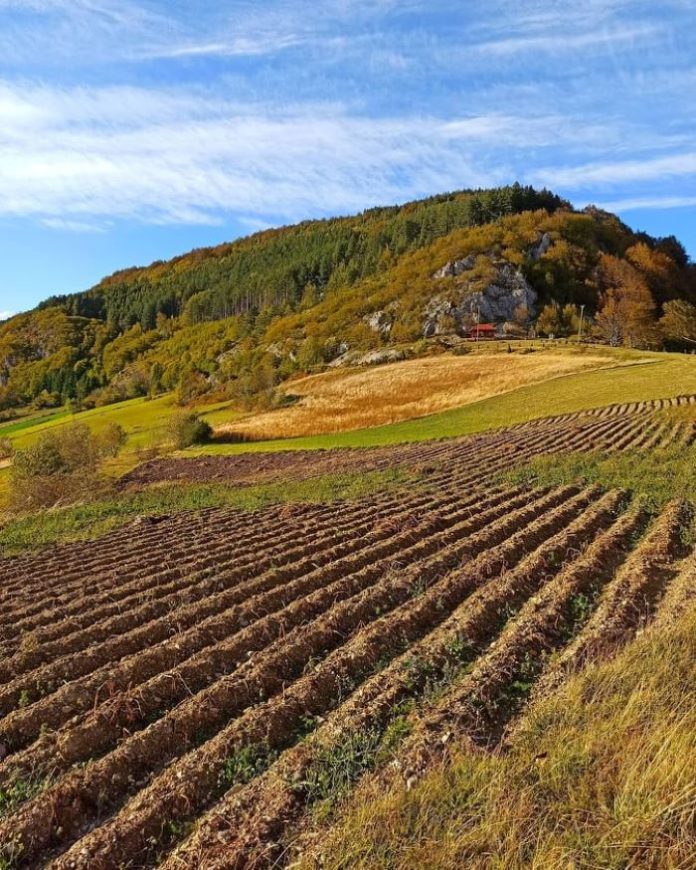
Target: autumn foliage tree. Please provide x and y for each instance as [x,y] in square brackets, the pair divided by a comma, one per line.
[678,323]
[627,312]
[557,320]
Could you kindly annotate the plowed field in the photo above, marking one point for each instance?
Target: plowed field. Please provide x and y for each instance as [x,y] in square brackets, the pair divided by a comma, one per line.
[178,692]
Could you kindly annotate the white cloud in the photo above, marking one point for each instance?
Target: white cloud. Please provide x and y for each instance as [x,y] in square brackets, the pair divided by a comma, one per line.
[620,172]
[5,315]
[234,47]
[555,42]
[451,96]
[165,157]
[72,226]
[76,159]
[649,202]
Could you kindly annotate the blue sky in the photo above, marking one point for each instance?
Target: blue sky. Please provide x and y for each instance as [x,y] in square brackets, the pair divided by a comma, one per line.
[131,130]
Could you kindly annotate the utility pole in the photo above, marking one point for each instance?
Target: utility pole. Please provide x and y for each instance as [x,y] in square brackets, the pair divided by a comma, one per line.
[582,312]
[478,321]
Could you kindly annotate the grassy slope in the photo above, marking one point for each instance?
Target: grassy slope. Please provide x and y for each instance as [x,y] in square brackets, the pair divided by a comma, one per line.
[599,778]
[664,376]
[144,421]
[364,397]
[29,421]
[658,475]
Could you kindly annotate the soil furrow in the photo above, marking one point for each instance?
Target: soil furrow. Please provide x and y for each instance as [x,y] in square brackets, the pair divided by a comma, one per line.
[247,820]
[79,798]
[188,785]
[629,600]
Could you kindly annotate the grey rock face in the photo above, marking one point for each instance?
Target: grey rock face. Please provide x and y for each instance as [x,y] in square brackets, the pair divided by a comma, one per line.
[456,267]
[371,358]
[541,247]
[377,357]
[500,301]
[438,313]
[380,322]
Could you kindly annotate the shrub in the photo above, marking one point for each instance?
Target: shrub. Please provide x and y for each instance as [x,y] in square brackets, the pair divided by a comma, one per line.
[188,428]
[6,449]
[62,467]
[192,385]
[111,439]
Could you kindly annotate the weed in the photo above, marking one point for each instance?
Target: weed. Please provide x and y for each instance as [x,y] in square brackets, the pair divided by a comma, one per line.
[244,764]
[580,608]
[336,767]
[10,854]
[18,792]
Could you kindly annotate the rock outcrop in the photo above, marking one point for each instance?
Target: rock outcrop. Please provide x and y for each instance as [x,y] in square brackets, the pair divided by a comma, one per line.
[380,322]
[456,267]
[507,296]
[541,247]
[371,358]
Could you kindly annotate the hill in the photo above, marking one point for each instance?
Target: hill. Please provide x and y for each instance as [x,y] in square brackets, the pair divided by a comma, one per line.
[235,321]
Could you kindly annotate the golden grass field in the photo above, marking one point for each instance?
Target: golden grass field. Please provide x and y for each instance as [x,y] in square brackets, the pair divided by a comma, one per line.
[348,399]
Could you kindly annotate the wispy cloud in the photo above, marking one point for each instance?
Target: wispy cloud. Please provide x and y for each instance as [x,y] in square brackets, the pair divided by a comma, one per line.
[619,172]
[76,158]
[234,47]
[561,43]
[649,202]
[244,114]
[159,156]
[71,226]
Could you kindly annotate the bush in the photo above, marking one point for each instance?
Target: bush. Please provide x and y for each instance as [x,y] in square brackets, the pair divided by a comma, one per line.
[192,385]
[62,466]
[6,448]
[111,439]
[461,349]
[188,428]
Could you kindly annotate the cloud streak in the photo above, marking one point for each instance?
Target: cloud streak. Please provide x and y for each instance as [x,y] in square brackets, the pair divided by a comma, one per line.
[681,165]
[78,158]
[181,157]
[286,109]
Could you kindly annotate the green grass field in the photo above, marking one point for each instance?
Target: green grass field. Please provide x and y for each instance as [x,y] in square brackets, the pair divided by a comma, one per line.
[657,476]
[29,421]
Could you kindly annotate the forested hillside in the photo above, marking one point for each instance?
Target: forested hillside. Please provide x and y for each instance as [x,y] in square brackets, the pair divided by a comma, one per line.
[236,319]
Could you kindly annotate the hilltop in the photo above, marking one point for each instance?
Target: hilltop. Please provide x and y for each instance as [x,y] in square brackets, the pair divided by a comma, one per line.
[234,321]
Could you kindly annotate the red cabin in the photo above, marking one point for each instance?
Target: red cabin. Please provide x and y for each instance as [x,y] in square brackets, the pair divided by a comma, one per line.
[482,330]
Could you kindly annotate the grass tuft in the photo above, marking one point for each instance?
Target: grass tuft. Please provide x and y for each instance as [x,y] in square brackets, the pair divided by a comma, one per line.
[601,775]
[657,476]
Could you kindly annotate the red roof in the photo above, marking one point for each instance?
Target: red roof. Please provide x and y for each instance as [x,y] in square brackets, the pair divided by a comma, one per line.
[483,327]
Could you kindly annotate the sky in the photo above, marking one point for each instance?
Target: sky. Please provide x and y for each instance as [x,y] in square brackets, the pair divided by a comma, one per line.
[133,130]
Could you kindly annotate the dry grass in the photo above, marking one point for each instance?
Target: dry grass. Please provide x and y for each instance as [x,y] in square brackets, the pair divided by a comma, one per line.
[601,776]
[345,400]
